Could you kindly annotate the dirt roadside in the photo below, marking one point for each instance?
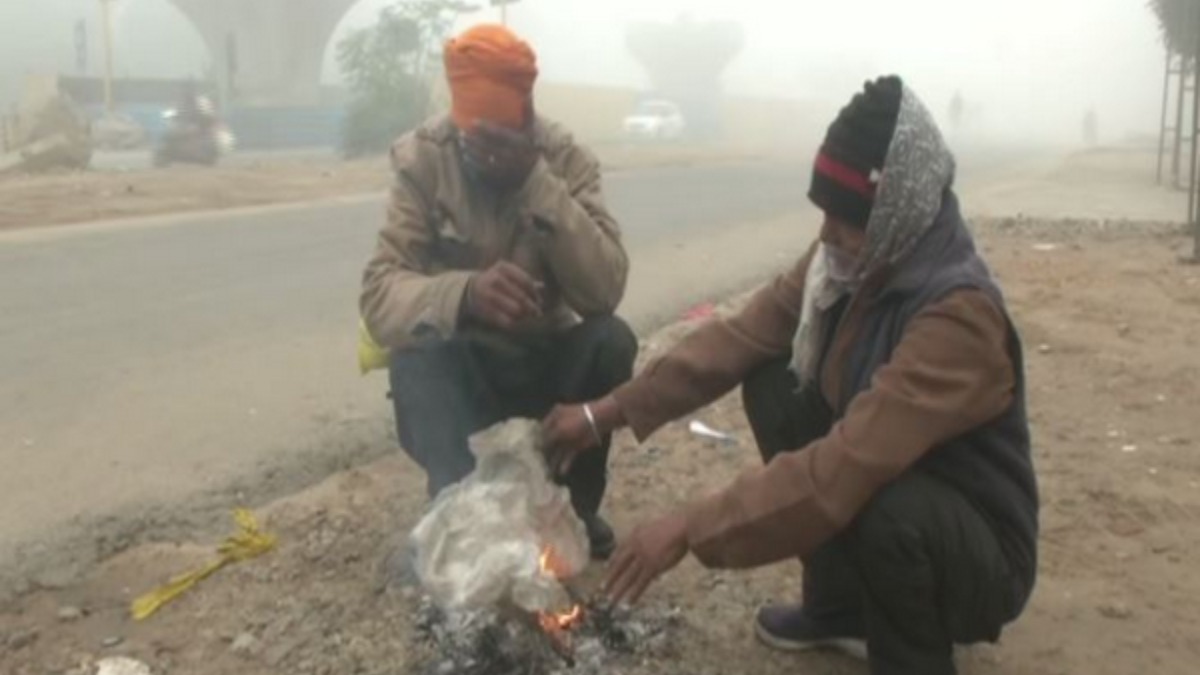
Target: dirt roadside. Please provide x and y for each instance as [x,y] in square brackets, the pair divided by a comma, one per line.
[1111,329]
[80,197]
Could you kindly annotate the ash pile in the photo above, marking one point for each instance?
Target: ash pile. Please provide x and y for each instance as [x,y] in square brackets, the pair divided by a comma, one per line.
[498,557]
[604,642]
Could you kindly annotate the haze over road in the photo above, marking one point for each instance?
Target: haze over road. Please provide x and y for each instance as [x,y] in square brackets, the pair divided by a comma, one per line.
[145,365]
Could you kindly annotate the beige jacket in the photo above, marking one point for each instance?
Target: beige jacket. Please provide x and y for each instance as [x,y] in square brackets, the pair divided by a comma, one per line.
[441,229]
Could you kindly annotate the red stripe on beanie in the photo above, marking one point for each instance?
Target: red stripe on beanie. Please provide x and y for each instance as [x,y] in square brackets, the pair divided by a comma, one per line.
[845,176]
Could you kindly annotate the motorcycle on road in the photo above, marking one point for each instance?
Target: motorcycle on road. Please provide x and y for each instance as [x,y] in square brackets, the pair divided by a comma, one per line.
[195,137]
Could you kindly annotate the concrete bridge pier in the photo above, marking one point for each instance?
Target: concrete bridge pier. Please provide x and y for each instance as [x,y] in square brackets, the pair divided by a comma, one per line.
[267,52]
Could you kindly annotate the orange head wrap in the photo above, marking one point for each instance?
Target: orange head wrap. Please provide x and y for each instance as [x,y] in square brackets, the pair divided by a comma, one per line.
[491,73]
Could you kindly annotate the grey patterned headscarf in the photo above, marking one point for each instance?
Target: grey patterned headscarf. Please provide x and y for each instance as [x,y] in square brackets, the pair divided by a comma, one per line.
[918,169]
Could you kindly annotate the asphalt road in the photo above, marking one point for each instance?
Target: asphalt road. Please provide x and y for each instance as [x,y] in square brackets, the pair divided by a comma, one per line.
[167,362]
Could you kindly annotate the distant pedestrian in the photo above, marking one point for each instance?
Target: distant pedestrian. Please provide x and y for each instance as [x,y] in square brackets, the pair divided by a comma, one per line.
[957,110]
[1091,128]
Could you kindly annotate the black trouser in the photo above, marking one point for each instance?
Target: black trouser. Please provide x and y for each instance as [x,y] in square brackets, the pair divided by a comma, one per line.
[444,392]
[918,571]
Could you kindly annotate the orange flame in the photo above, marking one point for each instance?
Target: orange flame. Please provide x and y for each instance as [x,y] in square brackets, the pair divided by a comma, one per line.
[570,619]
[551,565]
[556,622]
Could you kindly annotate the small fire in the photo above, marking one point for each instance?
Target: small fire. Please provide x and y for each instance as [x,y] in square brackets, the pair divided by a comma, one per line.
[551,565]
[556,622]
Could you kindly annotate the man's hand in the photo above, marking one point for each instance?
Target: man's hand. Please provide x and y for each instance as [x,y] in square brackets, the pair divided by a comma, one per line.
[652,550]
[504,295]
[504,157]
[567,433]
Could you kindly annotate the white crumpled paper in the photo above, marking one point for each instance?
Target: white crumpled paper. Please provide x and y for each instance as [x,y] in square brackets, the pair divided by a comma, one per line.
[120,665]
[481,541]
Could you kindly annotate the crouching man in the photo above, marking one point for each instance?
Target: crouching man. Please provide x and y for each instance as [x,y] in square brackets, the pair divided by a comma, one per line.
[496,277]
[884,383]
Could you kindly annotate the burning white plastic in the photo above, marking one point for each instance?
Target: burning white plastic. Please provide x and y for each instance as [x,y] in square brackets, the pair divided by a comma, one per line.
[485,540]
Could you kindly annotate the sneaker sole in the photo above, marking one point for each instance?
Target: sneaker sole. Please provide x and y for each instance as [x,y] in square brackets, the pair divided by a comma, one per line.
[851,647]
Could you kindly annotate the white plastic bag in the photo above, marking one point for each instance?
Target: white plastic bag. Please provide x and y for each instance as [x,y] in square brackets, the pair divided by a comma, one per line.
[490,538]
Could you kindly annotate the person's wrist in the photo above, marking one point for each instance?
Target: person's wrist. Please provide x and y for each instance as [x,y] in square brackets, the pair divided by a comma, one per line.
[469,306]
[681,531]
[593,424]
[608,414]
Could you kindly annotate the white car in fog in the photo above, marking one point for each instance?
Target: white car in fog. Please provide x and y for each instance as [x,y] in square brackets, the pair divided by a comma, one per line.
[655,121]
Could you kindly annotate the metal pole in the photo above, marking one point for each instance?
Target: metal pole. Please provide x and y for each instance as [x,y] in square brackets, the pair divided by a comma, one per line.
[1192,16]
[504,14]
[1193,216]
[1162,127]
[1176,157]
[1195,141]
[106,29]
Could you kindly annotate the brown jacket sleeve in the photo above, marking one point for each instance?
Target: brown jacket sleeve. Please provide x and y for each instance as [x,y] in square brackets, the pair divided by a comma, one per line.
[582,242]
[950,373]
[716,357]
[401,297]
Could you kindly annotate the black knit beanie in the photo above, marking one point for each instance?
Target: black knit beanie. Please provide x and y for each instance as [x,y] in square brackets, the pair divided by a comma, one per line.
[847,168]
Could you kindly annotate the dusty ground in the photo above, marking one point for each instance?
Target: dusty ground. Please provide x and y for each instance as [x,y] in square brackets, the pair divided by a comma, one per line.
[1112,331]
[76,197]
[1100,183]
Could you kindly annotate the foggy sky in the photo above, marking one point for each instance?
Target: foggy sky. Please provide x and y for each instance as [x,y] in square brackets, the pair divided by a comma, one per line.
[1026,68]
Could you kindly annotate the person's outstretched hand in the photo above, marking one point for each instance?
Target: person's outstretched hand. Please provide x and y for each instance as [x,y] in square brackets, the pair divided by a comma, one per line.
[567,433]
[652,550]
[566,436]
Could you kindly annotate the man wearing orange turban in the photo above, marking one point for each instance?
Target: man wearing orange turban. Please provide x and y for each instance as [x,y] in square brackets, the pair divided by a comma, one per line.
[496,278]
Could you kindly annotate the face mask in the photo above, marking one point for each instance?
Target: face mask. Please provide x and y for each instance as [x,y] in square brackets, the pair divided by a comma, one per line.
[843,267]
